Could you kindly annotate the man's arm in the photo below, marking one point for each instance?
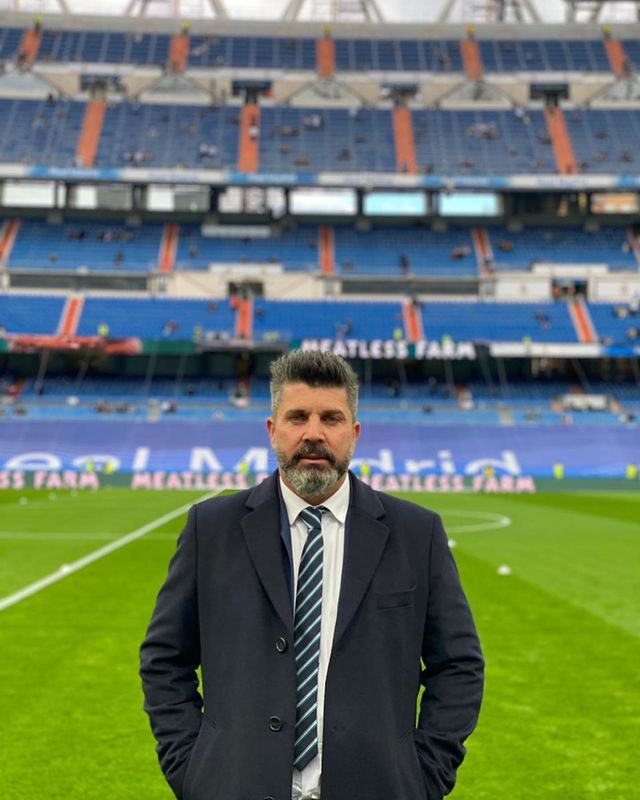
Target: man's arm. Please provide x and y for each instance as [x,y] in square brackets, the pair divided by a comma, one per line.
[453,673]
[169,658]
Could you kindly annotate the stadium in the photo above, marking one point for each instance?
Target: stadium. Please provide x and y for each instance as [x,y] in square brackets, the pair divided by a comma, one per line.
[448,197]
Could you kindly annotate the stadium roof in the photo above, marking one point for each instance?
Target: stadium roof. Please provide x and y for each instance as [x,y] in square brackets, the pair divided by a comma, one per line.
[393,11]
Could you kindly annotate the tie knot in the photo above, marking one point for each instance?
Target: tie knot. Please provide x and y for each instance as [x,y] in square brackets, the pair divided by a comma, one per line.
[312,517]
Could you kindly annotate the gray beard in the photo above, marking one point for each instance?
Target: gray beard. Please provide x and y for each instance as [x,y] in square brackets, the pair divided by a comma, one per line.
[312,480]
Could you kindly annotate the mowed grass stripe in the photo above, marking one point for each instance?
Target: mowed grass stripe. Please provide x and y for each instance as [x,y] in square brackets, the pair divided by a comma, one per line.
[562,697]
[67,570]
[580,558]
[561,710]
[112,511]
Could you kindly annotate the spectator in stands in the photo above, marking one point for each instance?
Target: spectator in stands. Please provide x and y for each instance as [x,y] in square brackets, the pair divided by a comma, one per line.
[405,264]
[260,597]
[543,136]
[460,252]
[313,122]
[170,327]
[543,320]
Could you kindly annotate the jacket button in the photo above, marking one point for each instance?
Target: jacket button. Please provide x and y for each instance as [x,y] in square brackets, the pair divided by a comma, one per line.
[275,724]
[281,644]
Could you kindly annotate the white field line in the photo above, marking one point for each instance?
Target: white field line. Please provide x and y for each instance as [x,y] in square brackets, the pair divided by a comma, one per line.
[68,569]
[494,521]
[32,536]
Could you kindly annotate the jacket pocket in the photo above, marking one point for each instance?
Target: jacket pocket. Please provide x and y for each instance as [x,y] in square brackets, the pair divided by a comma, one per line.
[395,599]
[206,737]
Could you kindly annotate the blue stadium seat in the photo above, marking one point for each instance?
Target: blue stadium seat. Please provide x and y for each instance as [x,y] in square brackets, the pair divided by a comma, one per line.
[497,322]
[520,250]
[428,253]
[295,250]
[159,318]
[481,142]
[326,319]
[30,313]
[40,132]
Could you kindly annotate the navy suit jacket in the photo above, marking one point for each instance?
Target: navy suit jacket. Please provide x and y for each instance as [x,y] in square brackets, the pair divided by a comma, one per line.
[402,620]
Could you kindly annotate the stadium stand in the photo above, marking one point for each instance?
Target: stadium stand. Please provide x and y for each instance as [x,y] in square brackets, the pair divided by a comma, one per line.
[482,142]
[522,249]
[400,251]
[157,318]
[85,245]
[30,313]
[295,250]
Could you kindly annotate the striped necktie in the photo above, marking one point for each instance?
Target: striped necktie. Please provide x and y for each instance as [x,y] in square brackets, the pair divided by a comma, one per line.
[306,639]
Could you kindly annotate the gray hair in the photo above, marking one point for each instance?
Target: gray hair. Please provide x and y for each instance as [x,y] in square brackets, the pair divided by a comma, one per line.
[315,368]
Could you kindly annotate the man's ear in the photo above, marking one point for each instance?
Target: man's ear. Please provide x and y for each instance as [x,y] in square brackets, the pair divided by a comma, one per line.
[270,427]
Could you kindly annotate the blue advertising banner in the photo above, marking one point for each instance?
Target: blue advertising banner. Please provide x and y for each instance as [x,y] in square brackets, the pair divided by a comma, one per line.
[388,449]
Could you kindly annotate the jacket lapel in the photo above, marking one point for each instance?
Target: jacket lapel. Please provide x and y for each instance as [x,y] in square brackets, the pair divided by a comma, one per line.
[365,543]
[261,530]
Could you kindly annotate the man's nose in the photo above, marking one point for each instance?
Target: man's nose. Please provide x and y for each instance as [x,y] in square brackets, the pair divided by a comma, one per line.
[314,429]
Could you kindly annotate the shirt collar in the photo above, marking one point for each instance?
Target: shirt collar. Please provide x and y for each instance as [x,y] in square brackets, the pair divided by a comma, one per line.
[337,504]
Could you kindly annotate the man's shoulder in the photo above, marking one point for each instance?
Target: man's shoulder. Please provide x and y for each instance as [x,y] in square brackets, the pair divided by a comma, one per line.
[230,503]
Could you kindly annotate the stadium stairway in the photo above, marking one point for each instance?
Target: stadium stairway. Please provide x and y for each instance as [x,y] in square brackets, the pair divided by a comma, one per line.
[248,146]
[562,147]
[29,47]
[70,317]
[483,250]
[179,53]
[8,234]
[634,244]
[244,319]
[326,250]
[326,58]
[168,248]
[471,59]
[404,141]
[617,57]
[89,138]
[582,323]
[412,317]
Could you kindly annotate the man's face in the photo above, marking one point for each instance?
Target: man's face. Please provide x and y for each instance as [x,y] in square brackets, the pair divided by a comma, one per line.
[313,435]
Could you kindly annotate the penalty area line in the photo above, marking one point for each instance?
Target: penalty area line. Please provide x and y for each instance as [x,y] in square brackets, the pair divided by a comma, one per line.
[75,566]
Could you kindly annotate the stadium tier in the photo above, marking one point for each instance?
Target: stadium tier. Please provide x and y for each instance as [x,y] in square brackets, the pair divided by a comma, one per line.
[383,251]
[401,251]
[482,142]
[156,318]
[351,54]
[315,139]
[521,249]
[86,245]
[30,314]
[295,250]
[286,321]
[498,322]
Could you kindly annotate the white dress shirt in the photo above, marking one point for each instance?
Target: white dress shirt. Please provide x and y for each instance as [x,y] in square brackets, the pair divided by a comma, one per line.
[306,784]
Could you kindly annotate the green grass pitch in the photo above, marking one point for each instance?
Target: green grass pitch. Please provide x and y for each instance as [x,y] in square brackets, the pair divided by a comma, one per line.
[561,634]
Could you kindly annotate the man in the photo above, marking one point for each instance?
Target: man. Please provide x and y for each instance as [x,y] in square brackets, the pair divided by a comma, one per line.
[309,602]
